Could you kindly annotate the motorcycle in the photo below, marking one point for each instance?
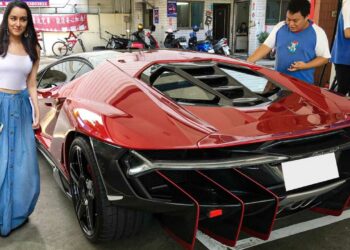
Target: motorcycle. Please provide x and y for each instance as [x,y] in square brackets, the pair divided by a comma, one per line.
[193,44]
[171,42]
[114,42]
[220,46]
[117,42]
[141,40]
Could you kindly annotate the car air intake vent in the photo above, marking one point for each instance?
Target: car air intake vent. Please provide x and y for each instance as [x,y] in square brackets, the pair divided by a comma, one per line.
[199,70]
[201,154]
[208,83]
[308,145]
[213,80]
[231,92]
[221,84]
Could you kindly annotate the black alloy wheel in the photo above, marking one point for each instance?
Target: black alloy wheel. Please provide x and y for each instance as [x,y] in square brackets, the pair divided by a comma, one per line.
[82,187]
[99,219]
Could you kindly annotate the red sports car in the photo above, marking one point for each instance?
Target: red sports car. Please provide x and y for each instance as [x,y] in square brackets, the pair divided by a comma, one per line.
[200,141]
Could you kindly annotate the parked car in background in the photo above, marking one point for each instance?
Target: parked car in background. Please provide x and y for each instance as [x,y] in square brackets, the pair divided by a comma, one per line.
[200,141]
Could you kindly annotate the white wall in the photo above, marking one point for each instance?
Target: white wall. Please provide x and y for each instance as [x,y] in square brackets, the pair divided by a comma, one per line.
[114,23]
[256,23]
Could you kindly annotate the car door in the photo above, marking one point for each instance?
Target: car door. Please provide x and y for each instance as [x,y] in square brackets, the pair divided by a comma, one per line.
[50,81]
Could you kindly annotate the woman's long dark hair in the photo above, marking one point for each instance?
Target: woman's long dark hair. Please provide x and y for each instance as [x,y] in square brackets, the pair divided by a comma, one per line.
[29,41]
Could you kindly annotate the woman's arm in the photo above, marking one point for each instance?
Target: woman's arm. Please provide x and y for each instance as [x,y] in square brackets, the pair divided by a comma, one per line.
[31,85]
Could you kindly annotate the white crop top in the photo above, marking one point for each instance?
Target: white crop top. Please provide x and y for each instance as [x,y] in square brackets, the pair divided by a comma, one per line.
[14,70]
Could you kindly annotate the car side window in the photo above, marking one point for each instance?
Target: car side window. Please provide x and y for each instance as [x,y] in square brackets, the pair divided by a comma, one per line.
[60,73]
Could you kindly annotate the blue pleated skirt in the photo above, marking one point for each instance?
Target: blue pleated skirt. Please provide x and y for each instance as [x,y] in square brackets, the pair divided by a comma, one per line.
[19,172]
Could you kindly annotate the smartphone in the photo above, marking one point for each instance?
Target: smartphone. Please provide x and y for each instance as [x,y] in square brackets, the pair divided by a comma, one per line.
[1,126]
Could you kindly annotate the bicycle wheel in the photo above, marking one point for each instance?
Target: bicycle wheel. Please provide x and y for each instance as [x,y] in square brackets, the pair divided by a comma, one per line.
[59,48]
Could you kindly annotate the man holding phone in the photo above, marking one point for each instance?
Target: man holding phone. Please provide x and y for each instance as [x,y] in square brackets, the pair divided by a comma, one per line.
[301,45]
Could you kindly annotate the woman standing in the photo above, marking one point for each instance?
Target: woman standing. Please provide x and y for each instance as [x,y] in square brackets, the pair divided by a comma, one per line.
[19,61]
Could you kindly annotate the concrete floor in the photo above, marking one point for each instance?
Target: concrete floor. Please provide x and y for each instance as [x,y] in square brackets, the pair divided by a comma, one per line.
[53,226]
[332,237]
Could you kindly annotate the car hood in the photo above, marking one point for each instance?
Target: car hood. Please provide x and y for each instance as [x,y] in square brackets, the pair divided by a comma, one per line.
[132,115]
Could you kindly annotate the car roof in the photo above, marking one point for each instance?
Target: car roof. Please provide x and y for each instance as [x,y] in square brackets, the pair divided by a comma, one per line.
[134,62]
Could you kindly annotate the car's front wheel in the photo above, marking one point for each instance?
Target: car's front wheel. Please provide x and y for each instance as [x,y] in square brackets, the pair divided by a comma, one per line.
[99,220]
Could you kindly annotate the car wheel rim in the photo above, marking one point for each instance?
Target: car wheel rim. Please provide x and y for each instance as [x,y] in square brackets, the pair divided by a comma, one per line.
[82,192]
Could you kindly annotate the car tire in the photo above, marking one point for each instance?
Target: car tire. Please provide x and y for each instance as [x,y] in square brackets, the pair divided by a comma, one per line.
[98,218]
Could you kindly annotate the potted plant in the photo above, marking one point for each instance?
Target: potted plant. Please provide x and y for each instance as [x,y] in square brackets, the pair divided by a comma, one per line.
[262,36]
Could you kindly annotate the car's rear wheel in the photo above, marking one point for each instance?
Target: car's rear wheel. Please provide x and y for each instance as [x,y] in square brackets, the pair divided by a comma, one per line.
[99,220]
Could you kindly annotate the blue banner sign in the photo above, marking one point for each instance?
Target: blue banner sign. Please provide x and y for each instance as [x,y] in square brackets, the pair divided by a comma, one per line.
[171,8]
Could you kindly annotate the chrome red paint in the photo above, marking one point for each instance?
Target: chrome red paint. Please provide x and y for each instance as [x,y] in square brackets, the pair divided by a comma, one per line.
[129,108]
[113,105]
[133,115]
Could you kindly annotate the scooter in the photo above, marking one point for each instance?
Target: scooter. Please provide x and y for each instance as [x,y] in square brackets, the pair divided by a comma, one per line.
[153,43]
[204,45]
[117,42]
[141,40]
[220,46]
[171,42]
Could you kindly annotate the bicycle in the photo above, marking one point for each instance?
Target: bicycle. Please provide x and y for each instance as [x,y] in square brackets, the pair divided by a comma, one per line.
[61,47]
[117,42]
